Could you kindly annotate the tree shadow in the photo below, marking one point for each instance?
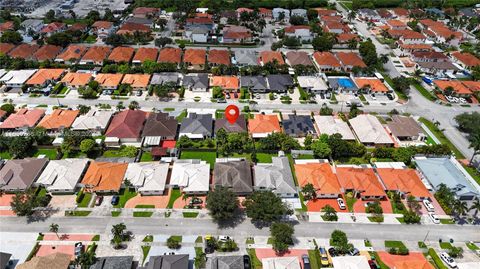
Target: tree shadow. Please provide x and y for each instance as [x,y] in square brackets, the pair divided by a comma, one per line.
[42,214]
[238,218]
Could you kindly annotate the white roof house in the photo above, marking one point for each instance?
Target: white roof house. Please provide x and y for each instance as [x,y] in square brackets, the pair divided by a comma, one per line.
[94,120]
[350,262]
[281,263]
[312,83]
[16,78]
[62,175]
[330,125]
[191,175]
[276,176]
[369,130]
[148,178]
[2,72]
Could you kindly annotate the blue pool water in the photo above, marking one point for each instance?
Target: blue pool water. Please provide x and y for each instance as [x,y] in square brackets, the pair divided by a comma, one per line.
[345,83]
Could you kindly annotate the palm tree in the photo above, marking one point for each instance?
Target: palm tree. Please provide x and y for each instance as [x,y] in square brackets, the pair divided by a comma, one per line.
[351,15]
[460,208]
[475,206]
[86,259]
[475,144]
[330,213]
[384,58]
[54,228]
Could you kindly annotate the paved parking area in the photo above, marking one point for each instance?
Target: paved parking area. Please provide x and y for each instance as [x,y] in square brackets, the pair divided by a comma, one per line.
[390,260]
[67,237]
[204,96]
[263,253]
[63,201]
[159,201]
[359,206]
[180,203]
[318,204]
[5,199]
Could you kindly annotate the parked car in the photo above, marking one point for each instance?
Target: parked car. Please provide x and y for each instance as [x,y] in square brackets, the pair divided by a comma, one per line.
[390,96]
[221,100]
[354,252]
[434,218]
[78,249]
[341,204]
[98,200]
[448,260]
[332,252]
[373,96]
[323,257]
[428,205]
[139,93]
[115,200]
[306,261]
[373,264]
[235,94]
[224,238]
[246,262]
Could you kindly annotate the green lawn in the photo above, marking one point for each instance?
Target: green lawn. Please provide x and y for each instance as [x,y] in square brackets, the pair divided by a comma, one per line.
[473,172]
[148,238]
[472,246]
[440,136]
[436,259]
[445,245]
[394,244]
[199,239]
[96,237]
[116,213]
[91,39]
[422,244]
[5,155]
[250,240]
[145,250]
[144,206]
[314,259]
[181,116]
[177,238]
[142,214]
[146,157]
[174,195]
[168,109]
[379,261]
[350,201]
[78,213]
[190,214]
[49,153]
[424,91]
[447,221]
[376,219]
[347,5]
[86,199]
[208,156]
[265,157]
[125,195]
[113,153]
[256,263]
[400,94]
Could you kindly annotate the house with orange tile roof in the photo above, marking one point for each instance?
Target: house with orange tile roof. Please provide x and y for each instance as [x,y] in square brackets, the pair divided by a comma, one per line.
[413,264]
[219,57]
[453,87]
[372,85]
[270,56]
[127,126]
[234,34]
[24,51]
[145,12]
[265,12]
[301,32]
[139,82]
[396,24]
[104,177]
[95,55]
[131,28]
[58,120]
[71,54]
[225,82]
[350,60]
[321,175]
[47,52]
[76,80]
[262,125]
[465,59]
[326,61]
[109,81]
[144,54]
[404,180]
[45,76]
[102,29]
[53,28]
[344,39]
[361,181]
[195,58]
[22,120]
[6,47]
[170,55]
[7,26]
[121,54]
[473,86]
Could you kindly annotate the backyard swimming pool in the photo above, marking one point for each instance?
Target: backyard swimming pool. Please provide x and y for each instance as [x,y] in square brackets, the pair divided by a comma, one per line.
[345,83]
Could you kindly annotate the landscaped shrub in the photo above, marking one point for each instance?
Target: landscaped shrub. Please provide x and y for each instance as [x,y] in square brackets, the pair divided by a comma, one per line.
[80,196]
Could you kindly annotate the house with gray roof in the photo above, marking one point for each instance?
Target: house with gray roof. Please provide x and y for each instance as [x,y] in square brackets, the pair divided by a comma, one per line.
[19,174]
[31,25]
[176,261]
[159,126]
[138,20]
[298,125]
[257,84]
[197,126]
[245,58]
[450,172]
[368,14]
[197,82]
[279,82]
[226,262]
[278,10]
[233,174]
[170,78]
[117,262]
[276,177]
[239,126]
[300,12]
[406,129]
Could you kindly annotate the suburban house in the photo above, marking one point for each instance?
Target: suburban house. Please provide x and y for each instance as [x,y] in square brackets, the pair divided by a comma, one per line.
[109,81]
[281,262]
[361,181]
[104,177]
[143,54]
[298,125]
[102,29]
[330,125]
[367,14]
[58,120]
[301,32]
[276,177]
[448,171]
[278,13]
[121,262]
[219,57]
[453,87]
[95,55]
[76,80]
[225,82]
[406,130]
[402,180]
[170,55]
[166,78]
[169,261]
[465,60]
[197,34]
[321,175]
[22,120]
[31,25]
[298,58]
[53,28]
[233,34]
[233,174]
[396,25]
[353,262]
[146,12]
[57,260]
[17,78]
[121,54]
[197,126]
[191,176]
[262,125]
[335,27]
[195,58]
[47,52]
[370,131]
[159,126]
[62,176]
[43,77]
[138,82]
[326,61]
[126,127]
[299,12]
[24,51]
[268,56]
[440,33]
[95,121]
[255,84]
[350,60]
[19,174]
[131,28]
[239,126]
[312,84]
[71,54]
[245,58]
[279,83]
[197,82]
[372,86]
[148,178]
[5,48]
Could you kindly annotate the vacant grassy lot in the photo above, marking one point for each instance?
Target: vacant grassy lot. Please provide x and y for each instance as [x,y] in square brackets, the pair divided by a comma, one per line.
[207,156]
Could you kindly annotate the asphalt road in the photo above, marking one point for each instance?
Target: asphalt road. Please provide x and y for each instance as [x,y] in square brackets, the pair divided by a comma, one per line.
[205,226]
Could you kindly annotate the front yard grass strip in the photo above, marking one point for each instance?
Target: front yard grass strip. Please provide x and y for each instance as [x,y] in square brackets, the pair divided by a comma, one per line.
[440,136]
[376,219]
[350,201]
[314,259]
[389,80]
[177,238]
[472,246]
[447,221]
[436,259]
[473,172]
[394,244]
[265,157]
[146,157]
[270,241]
[96,237]
[424,91]
[422,244]
[367,243]
[40,236]
[379,261]
[199,239]
[148,238]
[250,240]
[190,214]
[256,263]
[125,195]
[116,213]
[145,250]
[34,251]
[174,195]
[142,214]
[79,213]
[181,116]
[144,206]
[87,196]
[49,153]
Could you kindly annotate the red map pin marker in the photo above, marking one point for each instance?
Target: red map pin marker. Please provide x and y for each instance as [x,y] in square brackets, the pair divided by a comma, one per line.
[231,113]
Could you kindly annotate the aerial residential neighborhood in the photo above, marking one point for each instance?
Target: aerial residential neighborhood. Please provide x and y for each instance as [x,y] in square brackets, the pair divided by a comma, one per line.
[220,134]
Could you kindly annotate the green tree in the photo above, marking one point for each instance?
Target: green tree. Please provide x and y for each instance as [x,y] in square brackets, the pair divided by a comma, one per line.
[108,15]
[20,147]
[282,234]
[23,204]
[222,204]
[475,144]
[9,108]
[87,146]
[54,228]
[133,105]
[324,42]
[401,84]
[309,192]
[297,20]
[330,213]
[411,217]
[12,37]
[61,39]
[50,15]
[119,235]
[265,207]
[321,149]
[368,52]
[340,242]
[475,206]
[325,110]
[87,258]
[163,41]
[83,109]
[173,242]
